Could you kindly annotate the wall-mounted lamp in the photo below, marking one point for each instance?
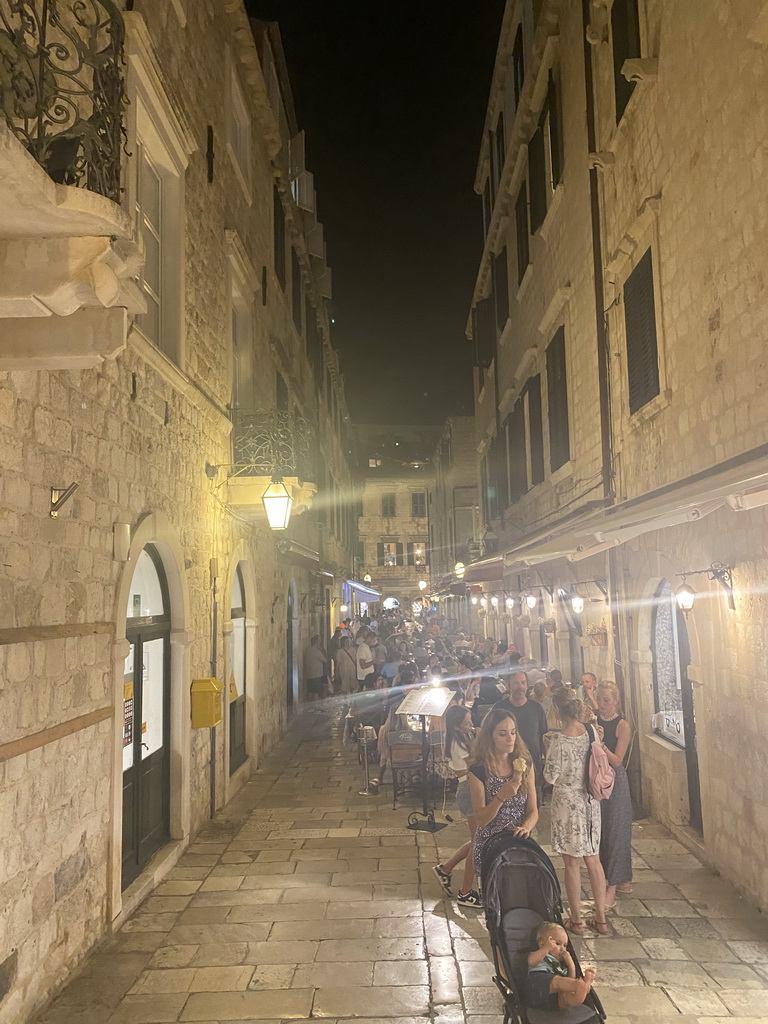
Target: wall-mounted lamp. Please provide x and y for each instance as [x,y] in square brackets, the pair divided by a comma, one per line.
[483,602]
[509,602]
[531,600]
[367,578]
[459,570]
[277,504]
[577,602]
[422,585]
[474,599]
[686,595]
[495,601]
[344,608]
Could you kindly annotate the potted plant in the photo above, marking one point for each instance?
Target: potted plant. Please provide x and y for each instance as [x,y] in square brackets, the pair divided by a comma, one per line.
[548,625]
[598,635]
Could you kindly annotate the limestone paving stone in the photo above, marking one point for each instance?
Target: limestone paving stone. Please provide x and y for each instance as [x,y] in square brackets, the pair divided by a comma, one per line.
[326,975]
[355,1001]
[278,1004]
[272,976]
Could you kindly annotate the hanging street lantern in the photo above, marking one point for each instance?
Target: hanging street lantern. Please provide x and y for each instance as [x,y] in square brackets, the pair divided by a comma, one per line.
[510,603]
[422,585]
[277,504]
[495,601]
[530,600]
[685,596]
[577,602]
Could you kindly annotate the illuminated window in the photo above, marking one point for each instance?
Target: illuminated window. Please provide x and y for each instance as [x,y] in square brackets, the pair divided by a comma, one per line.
[390,553]
[417,553]
[374,463]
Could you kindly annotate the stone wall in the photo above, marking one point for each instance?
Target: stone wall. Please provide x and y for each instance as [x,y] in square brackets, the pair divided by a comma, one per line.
[137,435]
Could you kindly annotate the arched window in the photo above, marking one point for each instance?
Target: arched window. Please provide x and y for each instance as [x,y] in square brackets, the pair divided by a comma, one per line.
[146,716]
[237,674]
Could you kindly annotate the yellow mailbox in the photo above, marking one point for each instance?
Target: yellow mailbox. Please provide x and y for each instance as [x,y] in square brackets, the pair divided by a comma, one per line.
[206,703]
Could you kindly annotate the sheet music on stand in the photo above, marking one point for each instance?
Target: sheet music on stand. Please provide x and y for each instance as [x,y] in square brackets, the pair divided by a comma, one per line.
[431,700]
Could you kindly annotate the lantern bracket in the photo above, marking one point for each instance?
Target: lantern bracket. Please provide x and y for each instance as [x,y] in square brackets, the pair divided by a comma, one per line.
[717,571]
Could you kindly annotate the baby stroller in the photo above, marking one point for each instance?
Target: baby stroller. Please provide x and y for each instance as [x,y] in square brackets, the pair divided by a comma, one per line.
[520,890]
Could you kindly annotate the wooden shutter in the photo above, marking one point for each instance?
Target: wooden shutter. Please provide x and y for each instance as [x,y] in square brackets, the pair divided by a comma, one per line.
[518,64]
[492,166]
[501,289]
[537,179]
[483,332]
[278,215]
[625,36]
[536,433]
[411,555]
[296,290]
[640,323]
[487,206]
[521,228]
[484,510]
[557,401]
[501,147]
[500,471]
[518,474]
[555,131]
[380,554]
[399,553]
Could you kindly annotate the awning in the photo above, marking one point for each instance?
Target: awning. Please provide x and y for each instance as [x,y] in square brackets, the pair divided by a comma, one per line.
[739,484]
[298,554]
[363,590]
[488,570]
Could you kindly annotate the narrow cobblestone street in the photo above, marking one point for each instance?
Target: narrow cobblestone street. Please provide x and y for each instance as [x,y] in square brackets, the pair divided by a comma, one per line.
[305,899]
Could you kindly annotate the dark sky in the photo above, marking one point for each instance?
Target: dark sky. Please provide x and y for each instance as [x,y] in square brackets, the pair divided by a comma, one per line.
[392,96]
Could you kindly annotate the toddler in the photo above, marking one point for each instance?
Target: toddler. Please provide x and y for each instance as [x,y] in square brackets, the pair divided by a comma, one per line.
[551,982]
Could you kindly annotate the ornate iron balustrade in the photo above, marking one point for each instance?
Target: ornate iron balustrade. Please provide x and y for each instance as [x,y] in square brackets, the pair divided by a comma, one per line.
[273,444]
[61,87]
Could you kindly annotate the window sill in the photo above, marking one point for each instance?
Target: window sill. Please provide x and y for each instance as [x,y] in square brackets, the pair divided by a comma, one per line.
[523,288]
[560,474]
[650,410]
[554,206]
[243,178]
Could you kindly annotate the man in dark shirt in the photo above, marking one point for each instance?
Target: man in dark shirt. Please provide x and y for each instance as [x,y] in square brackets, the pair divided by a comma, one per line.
[531,721]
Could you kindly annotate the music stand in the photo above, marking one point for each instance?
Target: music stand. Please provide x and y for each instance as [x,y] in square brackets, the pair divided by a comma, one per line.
[424,703]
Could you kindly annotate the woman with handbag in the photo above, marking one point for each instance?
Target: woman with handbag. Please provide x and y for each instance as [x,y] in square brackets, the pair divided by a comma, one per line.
[575,813]
[616,838]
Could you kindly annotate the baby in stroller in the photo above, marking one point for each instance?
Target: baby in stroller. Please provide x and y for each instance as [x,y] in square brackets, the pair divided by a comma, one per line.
[551,982]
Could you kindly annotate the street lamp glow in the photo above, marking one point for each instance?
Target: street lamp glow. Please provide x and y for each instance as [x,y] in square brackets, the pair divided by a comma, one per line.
[459,569]
[483,602]
[510,602]
[530,600]
[277,504]
[685,596]
[474,599]
[495,601]
[422,585]
[344,608]
[577,602]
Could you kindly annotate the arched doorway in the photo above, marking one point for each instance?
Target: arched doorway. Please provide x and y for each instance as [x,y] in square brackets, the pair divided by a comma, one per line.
[672,691]
[146,716]
[237,674]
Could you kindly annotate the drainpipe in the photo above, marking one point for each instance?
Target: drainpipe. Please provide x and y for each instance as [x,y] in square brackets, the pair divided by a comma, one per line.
[214,659]
[604,397]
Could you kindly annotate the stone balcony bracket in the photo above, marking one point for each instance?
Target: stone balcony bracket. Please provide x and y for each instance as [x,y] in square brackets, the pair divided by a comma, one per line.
[640,69]
[597,35]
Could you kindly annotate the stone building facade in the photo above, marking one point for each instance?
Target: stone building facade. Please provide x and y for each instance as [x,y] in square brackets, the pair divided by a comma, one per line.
[164,351]
[393,522]
[620,320]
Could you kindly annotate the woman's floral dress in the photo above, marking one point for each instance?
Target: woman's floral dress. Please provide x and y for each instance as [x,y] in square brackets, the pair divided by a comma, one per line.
[575,814]
[511,814]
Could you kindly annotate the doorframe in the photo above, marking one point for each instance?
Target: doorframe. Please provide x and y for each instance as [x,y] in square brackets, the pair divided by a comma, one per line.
[294,634]
[156,529]
[241,557]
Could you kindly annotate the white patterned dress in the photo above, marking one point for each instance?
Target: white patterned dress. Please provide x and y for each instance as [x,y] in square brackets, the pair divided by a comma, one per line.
[575,814]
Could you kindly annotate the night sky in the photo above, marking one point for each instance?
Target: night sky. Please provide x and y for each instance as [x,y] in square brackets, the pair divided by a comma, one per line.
[392,97]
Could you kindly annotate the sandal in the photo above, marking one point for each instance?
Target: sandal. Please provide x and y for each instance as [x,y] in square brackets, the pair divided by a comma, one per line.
[625,887]
[601,927]
[574,927]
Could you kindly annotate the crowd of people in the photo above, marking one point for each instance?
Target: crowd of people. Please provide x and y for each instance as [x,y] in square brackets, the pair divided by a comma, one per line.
[514,734]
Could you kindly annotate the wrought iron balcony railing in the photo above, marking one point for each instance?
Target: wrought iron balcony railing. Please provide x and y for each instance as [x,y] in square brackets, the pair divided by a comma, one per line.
[61,87]
[273,444]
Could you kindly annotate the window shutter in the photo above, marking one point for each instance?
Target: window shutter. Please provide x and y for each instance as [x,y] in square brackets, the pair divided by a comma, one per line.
[501,146]
[399,553]
[501,289]
[557,401]
[380,554]
[625,35]
[537,179]
[492,166]
[518,64]
[483,332]
[521,228]
[535,429]
[500,472]
[411,557]
[486,206]
[296,290]
[517,462]
[278,215]
[484,511]
[555,131]
[640,323]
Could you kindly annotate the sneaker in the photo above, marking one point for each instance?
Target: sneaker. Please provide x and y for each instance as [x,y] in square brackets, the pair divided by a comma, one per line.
[443,877]
[470,899]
